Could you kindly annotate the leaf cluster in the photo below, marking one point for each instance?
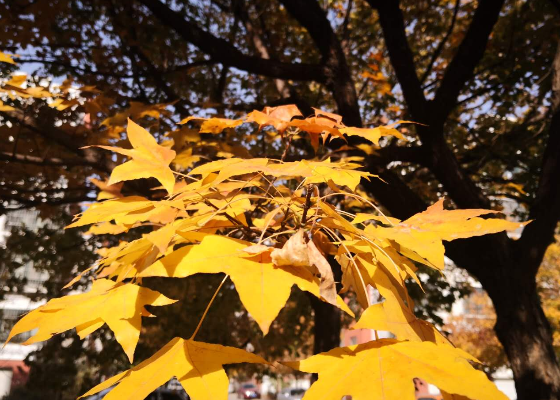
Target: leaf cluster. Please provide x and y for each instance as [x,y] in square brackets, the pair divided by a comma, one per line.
[266,225]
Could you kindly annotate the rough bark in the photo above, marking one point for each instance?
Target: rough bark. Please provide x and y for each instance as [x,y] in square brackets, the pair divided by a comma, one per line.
[526,335]
[337,73]
[327,326]
[327,320]
[506,268]
[521,326]
[224,52]
[255,36]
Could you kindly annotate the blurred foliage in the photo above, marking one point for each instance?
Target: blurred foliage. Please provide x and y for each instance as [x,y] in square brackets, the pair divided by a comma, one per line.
[111,60]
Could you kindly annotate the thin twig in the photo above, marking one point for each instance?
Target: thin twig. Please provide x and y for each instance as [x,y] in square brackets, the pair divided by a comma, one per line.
[208,307]
[307,204]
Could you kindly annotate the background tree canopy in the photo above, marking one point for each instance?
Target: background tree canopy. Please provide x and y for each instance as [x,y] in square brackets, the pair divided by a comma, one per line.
[482,77]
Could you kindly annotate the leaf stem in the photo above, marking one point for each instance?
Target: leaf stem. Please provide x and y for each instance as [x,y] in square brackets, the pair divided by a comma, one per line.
[208,307]
[307,204]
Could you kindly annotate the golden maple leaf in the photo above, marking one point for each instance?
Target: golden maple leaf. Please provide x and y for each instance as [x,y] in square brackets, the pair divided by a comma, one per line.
[423,233]
[120,306]
[278,117]
[7,58]
[197,366]
[394,316]
[374,134]
[111,210]
[263,287]
[213,125]
[341,173]
[384,369]
[149,159]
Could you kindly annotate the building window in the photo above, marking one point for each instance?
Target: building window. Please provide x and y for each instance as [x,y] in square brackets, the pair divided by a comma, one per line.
[7,322]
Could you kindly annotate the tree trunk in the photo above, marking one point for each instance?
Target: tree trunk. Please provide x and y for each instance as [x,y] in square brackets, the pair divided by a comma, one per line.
[508,274]
[327,327]
[327,319]
[526,336]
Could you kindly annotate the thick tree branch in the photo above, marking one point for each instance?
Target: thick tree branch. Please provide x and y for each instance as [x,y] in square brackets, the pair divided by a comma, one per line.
[254,35]
[408,154]
[225,53]
[95,157]
[469,54]
[391,191]
[402,59]
[545,210]
[441,44]
[28,203]
[50,162]
[338,76]
[556,4]
[440,158]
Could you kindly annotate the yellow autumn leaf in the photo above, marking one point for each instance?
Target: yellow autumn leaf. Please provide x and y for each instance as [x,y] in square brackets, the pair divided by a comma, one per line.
[106,228]
[376,266]
[17,80]
[394,316]
[384,369]
[315,127]
[217,125]
[278,117]
[120,306]
[4,107]
[107,191]
[149,159]
[7,58]
[161,237]
[328,118]
[423,233]
[341,173]
[353,275]
[263,287]
[213,125]
[374,134]
[363,217]
[186,159]
[136,110]
[110,210]
[448,396]
[14,88]
[63,104]
[197,365]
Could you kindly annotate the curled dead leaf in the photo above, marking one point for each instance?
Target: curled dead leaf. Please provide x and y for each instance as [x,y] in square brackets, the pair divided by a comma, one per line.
[294,252]
[327,289]
[299,252]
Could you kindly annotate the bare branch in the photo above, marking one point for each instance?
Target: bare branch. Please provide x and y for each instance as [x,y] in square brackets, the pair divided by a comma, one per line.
[258,42]
[469,54]
[441,44]
[51,162]
[545,210]
[338,76]
[72,143]
[402,59]
[227,54]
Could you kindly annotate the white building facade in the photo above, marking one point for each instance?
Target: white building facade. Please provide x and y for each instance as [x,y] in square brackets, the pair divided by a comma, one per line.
[13,371]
